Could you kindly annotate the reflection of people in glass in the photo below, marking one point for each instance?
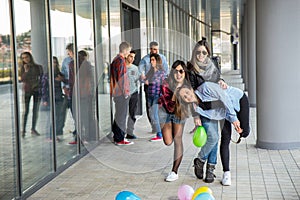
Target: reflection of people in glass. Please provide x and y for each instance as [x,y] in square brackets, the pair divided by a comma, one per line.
[87,98]
[31,74]
[65,70]
[58,96]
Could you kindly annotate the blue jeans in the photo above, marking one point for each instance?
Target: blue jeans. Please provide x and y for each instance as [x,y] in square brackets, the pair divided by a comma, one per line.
[153,112]
[209,151]
[165,117]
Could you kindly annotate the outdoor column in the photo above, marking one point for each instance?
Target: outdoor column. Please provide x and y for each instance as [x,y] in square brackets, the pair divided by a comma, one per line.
[38,33]
[278,74]
[234,31]
[251,52]
[244,45]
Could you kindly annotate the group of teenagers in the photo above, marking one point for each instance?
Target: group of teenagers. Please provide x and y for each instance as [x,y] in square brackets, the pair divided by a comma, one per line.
[172,96]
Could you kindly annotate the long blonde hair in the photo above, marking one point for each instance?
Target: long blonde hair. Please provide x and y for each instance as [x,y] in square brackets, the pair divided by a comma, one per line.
[192,64]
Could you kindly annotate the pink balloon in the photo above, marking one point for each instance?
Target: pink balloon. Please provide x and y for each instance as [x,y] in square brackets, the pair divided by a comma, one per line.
[185,192]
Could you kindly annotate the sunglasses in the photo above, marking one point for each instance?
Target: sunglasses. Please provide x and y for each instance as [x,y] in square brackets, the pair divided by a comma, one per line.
[203,52]
[181,71]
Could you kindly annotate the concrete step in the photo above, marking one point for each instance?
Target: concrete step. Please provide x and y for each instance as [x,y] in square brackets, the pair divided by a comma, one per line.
[233,78]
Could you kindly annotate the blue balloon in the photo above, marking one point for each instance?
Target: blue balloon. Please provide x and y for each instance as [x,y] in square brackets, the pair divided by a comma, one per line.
[126,195]
[204,196]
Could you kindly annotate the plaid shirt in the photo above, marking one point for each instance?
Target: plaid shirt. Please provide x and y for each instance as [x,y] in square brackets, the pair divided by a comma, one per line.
[155,83]
[165,100]
[119,83]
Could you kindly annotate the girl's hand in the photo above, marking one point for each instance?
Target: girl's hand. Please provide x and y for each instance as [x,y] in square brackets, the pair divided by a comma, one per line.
[143,77]
[197,121]
[222,84]
[237,127]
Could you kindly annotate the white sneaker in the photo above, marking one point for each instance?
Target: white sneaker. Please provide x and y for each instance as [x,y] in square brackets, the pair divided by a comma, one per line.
[226,181]
[172,177]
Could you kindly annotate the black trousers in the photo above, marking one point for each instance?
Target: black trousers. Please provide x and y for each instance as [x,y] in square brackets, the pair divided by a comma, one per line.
[119,124]
[147,105]
[243,116]
[35,109]
[133,103]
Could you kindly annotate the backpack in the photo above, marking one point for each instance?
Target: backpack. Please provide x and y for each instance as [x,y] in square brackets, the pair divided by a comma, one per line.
[217,62]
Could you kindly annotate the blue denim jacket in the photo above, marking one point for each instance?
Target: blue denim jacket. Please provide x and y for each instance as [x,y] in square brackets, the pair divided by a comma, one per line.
[230,97]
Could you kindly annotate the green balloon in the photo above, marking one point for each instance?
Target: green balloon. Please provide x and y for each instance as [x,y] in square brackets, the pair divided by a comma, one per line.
[200,137]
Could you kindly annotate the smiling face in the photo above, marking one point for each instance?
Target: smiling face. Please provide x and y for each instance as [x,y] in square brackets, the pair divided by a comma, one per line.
[187,95]
[201,53]
[179,74]
[25,58]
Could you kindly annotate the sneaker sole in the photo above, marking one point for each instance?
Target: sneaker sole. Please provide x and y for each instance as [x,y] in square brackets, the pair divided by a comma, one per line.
[225,184]
[124,144]
[171,180]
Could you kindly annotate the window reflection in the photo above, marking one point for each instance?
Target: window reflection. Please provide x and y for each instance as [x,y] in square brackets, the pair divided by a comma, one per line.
[32,65]
[62,37]
[7,130]
[102,65]
[85,83]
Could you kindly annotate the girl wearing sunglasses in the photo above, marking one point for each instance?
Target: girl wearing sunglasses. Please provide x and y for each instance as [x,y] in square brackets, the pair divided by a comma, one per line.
[202,64]
[172,115]
[201,68]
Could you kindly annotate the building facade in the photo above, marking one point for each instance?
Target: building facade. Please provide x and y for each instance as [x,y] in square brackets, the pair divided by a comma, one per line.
[44,28]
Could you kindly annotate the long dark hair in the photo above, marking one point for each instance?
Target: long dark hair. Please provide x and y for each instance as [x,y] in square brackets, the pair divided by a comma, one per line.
[56,68]
[31,62]
[172,81]
[158,60]
[181,111]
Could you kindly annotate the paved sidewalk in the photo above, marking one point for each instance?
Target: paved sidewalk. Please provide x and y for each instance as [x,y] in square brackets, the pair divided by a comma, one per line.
[257,174]
[142,167]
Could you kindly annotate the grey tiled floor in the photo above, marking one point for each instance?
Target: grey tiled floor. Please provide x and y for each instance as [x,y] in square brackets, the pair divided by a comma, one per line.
[258,174]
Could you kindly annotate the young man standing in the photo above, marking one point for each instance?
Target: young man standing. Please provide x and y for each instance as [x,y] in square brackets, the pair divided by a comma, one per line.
[119,89]
[134,76]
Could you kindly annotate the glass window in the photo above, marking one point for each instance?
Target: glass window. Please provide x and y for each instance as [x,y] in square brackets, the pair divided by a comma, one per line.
[31,36]
[150,18]
[85,84]
[62,37]
[143,24]
[102,67]
[7,129]
[115,26]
